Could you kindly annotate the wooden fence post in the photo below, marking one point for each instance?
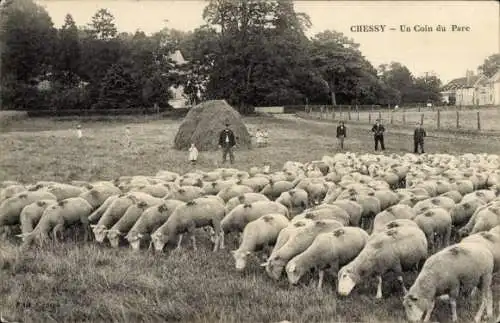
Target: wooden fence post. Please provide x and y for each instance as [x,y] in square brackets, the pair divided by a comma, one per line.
[438,119]
[478,121]
[333,108]
[349,114]
[422,119]
[380,115]
[392,118]
[358,115]
[404,117]
[369,117]
[458,119]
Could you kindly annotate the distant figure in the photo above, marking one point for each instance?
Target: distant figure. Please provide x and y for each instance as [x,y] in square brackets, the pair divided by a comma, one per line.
[227,142]
[378,134]
[193,154]
[341,134]
[266,137]
[418,138]
[259,136]
[128,140]
[79,133]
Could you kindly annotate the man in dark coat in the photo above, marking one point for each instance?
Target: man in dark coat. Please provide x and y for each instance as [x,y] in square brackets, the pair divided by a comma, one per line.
[378,134]
[418,138]
[227,142]
[341,134]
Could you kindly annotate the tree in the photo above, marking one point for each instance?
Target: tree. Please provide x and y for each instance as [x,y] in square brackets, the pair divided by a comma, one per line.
[102,25]
[491,65]
[118,88]
[66,64]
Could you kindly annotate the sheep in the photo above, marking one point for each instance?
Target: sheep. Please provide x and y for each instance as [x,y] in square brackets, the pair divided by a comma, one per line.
[63,191]
[371,207]
[300,240]
[462,265]
[333,193]
[387,198]
[156,190]
[464,186]
[395,212]
[325,212]
[462,212]
[316,192]
[296,200]
[31,214]
[256,183]
[10,191]
[354,209]
[185,193]
[186,218]
[233,191]
[398,248]
[99,193]
[438,201]
[454,195]
[274,189]
[96,215]
[240,216]
[484,219]
[56,217]
[11,208]
[150,220]
[436,223]
[244,198]
[288,232]
[257,235]
[485,195]
[167,176]
[125,223]
[328,250]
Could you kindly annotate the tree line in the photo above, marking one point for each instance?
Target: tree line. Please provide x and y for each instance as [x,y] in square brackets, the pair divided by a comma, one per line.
[251,53]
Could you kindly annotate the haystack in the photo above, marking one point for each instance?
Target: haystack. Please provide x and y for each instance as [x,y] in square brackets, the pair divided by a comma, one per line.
[204,122]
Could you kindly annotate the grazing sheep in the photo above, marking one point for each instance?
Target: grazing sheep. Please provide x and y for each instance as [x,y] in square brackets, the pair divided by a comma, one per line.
[371,207]
[31,214]
[354,209]
[433,202]
[64,191]
[10,191]
[99,193]
[454,195]
[256,183]
[233,191]
[10,209]
[436,224]
[240,216]
[462,212]
[125,223]
[300,240]
[333,193]
[167,176]
[200,212]
[156,190]
[150,220]
[464,186]
[185,193]
[316,192]
[324,212]
[96,215]
[274,189]
[288,232]
[484,219]
[244,198]
[462,265]
[56,217]
[398,248]
[257,235]
[485,195]
[386,198]
[329,251]
[296,200]
[395,212]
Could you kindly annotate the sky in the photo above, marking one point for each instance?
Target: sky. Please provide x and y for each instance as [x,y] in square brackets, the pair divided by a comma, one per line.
[448,53]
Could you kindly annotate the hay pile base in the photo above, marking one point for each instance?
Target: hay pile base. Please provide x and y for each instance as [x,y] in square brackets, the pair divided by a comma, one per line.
[204,122]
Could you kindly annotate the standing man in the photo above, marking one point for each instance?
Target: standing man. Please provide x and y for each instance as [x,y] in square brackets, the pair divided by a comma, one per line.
[418,138]
[227,142]
[378,134]
[341,134]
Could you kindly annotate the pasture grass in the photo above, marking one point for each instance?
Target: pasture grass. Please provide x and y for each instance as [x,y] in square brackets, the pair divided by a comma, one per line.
[78,282]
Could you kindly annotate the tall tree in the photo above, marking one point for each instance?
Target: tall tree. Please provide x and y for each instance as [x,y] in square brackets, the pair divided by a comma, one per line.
[103,25]
[67,62]
[491,65]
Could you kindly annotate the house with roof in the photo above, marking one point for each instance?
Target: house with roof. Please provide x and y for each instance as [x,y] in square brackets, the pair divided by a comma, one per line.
[495,85]
[460,91]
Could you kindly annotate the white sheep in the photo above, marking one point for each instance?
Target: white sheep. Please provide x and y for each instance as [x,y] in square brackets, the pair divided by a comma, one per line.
[433,202]
[395,212]
[436,224]
[233,191]
[296,200]
[185,193]
[297,243]
[353,208]
[485,195]
[259,234]
[274,189]
[454,195]
[398,248]
[463,265]
[325,212]
[31,214]
[328,252]
[244,198]
[256,183]
[485,218]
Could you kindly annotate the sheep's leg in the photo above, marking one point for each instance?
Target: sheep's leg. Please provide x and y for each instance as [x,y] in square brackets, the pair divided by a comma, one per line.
[489,304]
[179,241]
[400,278]
[321,277]
[57,230]
[429,312]
[447,237]
[217,232]
[453,307]
[86,228]
[222,244]
[379,287]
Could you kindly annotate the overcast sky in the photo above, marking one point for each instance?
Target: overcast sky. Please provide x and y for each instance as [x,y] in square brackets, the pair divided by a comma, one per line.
[448,54]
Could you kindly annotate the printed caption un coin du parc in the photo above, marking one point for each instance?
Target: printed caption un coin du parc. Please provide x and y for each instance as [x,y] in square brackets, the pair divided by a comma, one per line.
[408,28]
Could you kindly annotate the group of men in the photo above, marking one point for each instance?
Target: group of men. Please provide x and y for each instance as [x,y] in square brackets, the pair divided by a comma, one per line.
[378,131]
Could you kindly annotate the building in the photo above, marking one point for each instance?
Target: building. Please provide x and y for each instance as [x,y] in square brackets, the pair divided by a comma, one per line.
[179,99]
[495,80]
[460,91]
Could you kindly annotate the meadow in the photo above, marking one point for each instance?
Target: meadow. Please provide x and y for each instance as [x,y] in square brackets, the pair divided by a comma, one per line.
[78,282]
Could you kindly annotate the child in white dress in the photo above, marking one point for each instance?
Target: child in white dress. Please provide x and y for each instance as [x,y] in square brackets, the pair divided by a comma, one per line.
[193,154]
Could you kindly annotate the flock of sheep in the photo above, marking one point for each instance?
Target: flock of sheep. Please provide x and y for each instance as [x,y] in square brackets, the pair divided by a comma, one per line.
[351,216]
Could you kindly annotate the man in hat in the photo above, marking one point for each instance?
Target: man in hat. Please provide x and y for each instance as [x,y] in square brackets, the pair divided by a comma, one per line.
[378,134]
[418,138]
[227,142]
[341,134]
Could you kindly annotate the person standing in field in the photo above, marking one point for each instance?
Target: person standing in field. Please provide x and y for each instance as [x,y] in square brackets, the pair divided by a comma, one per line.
[79,133]
[259,136]
[193,154]
[418,138]
[378,135]
[341,134]
[227,142]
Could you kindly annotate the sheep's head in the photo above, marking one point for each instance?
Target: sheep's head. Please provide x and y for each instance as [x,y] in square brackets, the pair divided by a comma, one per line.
[240,258]
[99,232]
[274,266]
[159,240]
[347,280]
[294,272]
[415,307]
[113,236]
[134,240]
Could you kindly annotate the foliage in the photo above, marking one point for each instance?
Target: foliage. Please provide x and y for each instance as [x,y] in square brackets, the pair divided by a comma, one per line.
[490,65]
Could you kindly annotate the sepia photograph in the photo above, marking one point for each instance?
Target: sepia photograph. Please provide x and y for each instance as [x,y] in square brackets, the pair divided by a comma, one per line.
[260,161]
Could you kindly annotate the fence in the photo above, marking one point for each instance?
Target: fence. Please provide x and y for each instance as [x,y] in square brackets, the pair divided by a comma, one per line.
[478,120]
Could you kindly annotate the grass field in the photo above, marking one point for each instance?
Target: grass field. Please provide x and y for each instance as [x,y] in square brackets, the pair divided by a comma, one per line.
[77,282]
[467,119]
